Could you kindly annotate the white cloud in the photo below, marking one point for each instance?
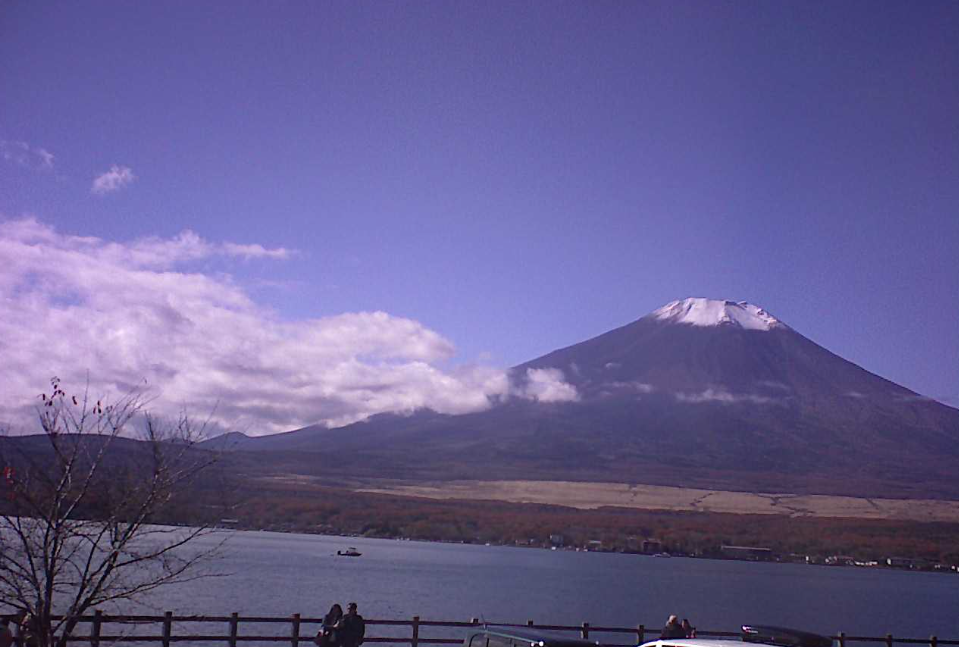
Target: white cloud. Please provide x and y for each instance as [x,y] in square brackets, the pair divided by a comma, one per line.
[723,396]
[254,251]
[113,180]
[25,155]
[547,385]
[639,387]
[126,314]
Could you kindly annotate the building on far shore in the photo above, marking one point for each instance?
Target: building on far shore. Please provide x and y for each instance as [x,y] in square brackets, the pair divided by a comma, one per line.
[651,546]
[904,562]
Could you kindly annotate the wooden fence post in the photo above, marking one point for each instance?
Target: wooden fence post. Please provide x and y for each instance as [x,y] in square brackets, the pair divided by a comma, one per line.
[167,628]
[95,629]
[98,619]
[234,628]
[295,631]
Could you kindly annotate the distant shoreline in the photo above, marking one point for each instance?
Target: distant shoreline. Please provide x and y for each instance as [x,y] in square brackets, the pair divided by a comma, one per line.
[808,561]
[604,517]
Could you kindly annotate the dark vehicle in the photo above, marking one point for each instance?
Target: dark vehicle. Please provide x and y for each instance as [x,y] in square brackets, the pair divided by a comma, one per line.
[783,637]
[520,637]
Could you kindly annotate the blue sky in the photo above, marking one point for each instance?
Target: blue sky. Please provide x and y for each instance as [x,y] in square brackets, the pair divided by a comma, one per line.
[508,178]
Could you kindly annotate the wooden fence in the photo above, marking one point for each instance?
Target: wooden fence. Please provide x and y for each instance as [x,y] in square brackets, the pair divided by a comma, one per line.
[299,631]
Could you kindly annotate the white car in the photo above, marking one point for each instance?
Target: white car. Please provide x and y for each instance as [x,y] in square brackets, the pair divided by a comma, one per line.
[758,634]
[694,642]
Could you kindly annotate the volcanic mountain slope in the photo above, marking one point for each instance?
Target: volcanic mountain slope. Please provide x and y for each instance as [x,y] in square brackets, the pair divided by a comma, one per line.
[699,393]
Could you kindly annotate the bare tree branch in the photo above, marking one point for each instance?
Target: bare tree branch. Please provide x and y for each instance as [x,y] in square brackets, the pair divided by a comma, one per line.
[78,528]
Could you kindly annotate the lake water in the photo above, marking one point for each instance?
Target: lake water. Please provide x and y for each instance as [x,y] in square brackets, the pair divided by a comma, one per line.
[280,574]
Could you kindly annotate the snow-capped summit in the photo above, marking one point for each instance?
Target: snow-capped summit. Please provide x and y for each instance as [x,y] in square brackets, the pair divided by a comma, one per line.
[713,312]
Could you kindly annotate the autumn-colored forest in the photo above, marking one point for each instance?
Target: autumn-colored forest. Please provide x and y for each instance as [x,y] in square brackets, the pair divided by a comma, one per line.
[340,511]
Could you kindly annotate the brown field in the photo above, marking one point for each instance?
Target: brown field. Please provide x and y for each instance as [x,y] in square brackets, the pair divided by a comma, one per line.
[588,496]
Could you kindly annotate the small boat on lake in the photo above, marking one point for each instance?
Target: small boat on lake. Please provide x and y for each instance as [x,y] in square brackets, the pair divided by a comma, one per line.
[349,552]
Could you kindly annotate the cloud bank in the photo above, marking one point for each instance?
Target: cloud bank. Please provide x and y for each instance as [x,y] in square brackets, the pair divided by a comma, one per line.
[724,397]
[113,180]
[129,315]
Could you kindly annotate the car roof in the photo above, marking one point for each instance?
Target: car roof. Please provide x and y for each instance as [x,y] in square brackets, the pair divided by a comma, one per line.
[541,638]
[694,642]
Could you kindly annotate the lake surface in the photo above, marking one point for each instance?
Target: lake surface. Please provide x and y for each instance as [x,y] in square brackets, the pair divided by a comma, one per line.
[281,574]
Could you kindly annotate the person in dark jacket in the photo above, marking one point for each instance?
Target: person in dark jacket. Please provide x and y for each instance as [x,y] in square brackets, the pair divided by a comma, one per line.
[688,628]
[673,629]
[352,627]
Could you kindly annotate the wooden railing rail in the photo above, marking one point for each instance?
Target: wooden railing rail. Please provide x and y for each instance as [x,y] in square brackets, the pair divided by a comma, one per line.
[169,629]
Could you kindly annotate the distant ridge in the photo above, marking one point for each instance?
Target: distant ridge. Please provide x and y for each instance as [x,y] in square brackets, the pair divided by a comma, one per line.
[228,441]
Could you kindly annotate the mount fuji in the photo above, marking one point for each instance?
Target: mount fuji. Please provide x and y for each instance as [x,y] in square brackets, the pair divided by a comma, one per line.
[699,393]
